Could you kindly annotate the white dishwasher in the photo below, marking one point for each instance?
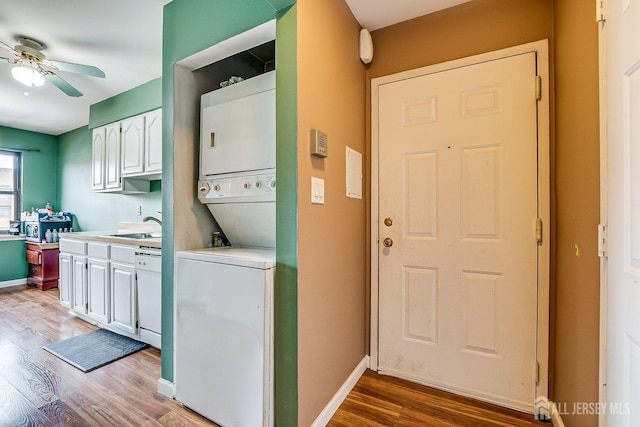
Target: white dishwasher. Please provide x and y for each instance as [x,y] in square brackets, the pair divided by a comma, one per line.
[224,334]
[149,278]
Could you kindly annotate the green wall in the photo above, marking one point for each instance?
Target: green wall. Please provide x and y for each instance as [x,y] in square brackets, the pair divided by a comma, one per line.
[95,211]
[140,99]
[13,264]
[38,167]
[191,26]
[39,178]
[286,294]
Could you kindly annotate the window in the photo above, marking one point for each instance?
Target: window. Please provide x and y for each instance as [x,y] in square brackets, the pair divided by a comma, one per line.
[9,188]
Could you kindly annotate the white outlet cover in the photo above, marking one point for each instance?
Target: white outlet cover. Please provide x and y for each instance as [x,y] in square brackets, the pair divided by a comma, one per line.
[317,190]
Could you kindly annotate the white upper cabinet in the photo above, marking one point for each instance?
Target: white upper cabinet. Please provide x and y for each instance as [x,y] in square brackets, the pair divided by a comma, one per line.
[128,154]
[153,141]
[133,145]
[112,157]
[97,165]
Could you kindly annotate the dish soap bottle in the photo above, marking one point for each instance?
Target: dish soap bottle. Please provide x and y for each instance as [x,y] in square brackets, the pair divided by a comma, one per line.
[49,209]
[48,236]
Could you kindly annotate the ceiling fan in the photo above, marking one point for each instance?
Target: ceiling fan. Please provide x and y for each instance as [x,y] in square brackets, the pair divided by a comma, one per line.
[32,66]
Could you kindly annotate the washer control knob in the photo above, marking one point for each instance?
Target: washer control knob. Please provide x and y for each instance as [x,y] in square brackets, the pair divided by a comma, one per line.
[204,188]
[246,186]
[257,184]
[216,187]
[272,183]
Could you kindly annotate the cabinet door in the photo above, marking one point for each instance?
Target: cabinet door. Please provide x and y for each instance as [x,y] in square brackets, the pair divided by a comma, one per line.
[112,157]
[123,298]
[98,159]
[98,290]
[79,281]
[153,141]
[132,145]
[65,284]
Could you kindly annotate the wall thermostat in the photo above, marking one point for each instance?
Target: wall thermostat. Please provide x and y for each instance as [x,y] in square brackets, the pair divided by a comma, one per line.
[319,145]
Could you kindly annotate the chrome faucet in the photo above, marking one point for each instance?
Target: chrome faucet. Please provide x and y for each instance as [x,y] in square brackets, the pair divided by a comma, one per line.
[152,218]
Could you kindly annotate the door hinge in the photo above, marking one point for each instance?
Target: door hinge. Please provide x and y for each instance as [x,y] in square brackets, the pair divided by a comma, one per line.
[600,11]
[537,372]
[538,88]
[539,230]
[602,241]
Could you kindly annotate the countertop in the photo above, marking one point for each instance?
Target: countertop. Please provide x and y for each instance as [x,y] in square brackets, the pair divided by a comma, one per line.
[106,236]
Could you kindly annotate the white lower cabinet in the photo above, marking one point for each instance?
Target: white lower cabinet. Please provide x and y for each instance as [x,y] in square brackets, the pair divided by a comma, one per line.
[79,284]
[124,313]
[64,284]
[99,281]
[98,290]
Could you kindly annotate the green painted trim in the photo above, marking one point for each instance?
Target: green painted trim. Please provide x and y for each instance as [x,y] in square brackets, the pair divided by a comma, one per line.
[13,264]
[190,26]
[286,294]
[140,99]
[281,4]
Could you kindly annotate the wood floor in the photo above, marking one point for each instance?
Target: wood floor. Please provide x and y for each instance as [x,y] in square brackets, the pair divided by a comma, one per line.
[38,389]
[379,400]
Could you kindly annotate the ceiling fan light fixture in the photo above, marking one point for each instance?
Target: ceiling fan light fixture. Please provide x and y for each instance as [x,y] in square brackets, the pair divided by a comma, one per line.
[27,74]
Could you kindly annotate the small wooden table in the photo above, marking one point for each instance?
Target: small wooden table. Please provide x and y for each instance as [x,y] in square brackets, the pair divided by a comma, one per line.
[43,259]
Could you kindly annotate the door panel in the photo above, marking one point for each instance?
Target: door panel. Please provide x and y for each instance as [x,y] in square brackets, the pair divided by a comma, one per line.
[458,179]
[622,266]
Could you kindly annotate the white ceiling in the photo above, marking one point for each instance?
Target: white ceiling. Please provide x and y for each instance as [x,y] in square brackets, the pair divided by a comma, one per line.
[375,14]
[124,39]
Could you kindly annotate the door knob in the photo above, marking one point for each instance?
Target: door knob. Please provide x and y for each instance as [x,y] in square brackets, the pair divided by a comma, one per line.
[387,242]
[388,222]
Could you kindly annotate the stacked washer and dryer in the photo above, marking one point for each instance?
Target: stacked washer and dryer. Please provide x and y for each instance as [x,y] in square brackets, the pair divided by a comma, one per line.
[224,296]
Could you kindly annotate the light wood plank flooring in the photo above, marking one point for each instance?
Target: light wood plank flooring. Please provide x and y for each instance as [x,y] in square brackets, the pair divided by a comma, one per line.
[380,400]
[38,389]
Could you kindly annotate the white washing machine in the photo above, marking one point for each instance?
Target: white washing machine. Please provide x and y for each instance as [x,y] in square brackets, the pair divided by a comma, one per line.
[224,296]
[224,334]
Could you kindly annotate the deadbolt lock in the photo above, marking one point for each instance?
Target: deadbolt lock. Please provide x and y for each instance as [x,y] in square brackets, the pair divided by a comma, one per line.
[388,222]
[387,242]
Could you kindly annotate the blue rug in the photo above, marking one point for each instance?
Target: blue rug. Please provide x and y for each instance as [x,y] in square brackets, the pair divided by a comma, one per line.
[94,349]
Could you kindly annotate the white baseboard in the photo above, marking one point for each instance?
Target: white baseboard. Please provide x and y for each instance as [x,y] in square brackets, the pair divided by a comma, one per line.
[341,394]
[165,388]
[11,283]
[556,420]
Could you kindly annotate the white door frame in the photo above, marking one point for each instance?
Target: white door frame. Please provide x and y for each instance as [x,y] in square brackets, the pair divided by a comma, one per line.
[541,49]
[604,211]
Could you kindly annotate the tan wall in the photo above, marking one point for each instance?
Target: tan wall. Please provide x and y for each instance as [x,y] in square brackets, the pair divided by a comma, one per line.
[486,25]
[331,237]
[577,200]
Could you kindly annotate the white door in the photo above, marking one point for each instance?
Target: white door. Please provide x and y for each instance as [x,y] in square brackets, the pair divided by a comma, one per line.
[622,106]
[457,182]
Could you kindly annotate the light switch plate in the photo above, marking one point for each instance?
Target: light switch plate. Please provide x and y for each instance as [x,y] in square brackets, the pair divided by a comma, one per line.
[317,190]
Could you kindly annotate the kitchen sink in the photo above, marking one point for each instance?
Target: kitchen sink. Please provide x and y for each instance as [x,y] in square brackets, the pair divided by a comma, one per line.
[138,235]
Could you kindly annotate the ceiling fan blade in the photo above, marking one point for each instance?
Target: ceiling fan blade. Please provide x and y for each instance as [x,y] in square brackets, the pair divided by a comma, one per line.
[7,47]
[9,60]
[75,68]
[61,84]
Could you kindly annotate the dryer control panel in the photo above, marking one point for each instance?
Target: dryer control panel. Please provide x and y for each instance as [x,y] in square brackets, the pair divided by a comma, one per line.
[230,188]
